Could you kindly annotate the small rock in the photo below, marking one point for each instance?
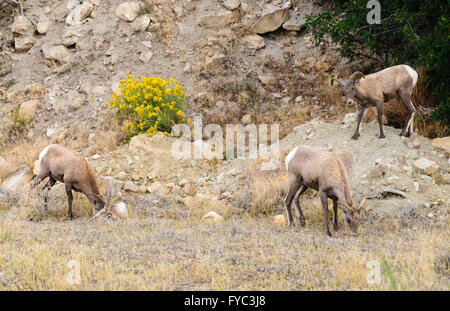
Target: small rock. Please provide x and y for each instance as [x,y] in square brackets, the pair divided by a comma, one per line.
[219,20]
[141,23]
[426,166]
[254,41]
[128,11]
[279,219]
[246,119]
[22,25]
[56,52]
[430,215]
[350,117]
[130,186]
[213,216]
[146,57]
[189,189]
[120,210]
[28,109]
[296,22]
[43,26]
[412,142]
[80,13]
[231,4]
[23,43]
[96,156]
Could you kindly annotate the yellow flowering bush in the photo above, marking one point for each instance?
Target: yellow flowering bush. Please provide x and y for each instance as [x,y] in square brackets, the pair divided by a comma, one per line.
[150,104]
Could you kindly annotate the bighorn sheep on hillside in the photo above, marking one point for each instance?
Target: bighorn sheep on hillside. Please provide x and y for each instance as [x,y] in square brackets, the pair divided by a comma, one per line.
[377,88]
[310,167]
[70,168]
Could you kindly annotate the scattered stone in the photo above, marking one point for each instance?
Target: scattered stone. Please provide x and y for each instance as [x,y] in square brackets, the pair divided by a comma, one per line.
[426,166]
[392,179]
[71,36]
[28,109]
[271,21]
[96,156]
[23,43]
[246,119]
[130,186]
[128,11]
[18,179]
[219,20]
[279,219]
[79,13]
[350,117]
[430,215]
[267,79]
[296,22]
[213,216]
[442,144]
[43,25]
[120,210]
[50,132]
[189,189]
[385,192]
[178,11]
[231,4]
[141,23]
[21,25]
[254,41]
[56,52]
[412,142]
[146,57]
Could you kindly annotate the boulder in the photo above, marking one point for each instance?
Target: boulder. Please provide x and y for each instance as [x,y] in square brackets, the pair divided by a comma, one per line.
[128,11]
[18,179]
[271,20]
[120,210]
[255,42]
[426,166]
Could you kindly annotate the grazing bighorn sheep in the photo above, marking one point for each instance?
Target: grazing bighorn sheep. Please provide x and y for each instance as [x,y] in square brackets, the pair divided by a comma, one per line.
[377,88]
[70,168]
[310,167]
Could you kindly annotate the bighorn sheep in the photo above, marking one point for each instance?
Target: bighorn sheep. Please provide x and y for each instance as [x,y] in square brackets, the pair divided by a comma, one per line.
[310,167]
[377,88]
[70,168]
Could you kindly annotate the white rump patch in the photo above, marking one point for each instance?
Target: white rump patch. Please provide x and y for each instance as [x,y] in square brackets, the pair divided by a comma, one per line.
[290,156]
[44,152]
[412,73]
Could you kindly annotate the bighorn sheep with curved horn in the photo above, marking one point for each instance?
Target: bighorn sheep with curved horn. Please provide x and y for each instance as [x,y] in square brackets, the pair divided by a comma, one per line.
[63,165]
[310,167]
[377,88]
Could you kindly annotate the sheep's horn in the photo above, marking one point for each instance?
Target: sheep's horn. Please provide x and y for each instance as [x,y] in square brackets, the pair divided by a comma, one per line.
[362,203]
[356,76]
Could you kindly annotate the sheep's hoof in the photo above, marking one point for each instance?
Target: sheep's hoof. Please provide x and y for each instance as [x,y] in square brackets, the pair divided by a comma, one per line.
[329,233]
[336,228]
[382,136]
[355,137]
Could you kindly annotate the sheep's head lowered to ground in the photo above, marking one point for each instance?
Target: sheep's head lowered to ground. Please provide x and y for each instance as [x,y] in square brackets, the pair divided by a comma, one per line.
[352,216]
[347,87]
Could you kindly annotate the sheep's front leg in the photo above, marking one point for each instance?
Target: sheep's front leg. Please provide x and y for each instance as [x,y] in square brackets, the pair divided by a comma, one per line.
[48,186]
[294,185]
[335,210]
[69,201]
[324,199]
[362,112]
[298,210]
[380,118]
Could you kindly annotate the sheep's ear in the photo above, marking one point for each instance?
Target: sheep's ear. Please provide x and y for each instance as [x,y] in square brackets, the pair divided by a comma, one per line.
[361,204]
[338,85]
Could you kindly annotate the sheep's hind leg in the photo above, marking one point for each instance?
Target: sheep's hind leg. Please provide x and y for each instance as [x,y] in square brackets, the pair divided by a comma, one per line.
[69,201]
[380,118]
[335,211]
[408,126]
[298,210]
